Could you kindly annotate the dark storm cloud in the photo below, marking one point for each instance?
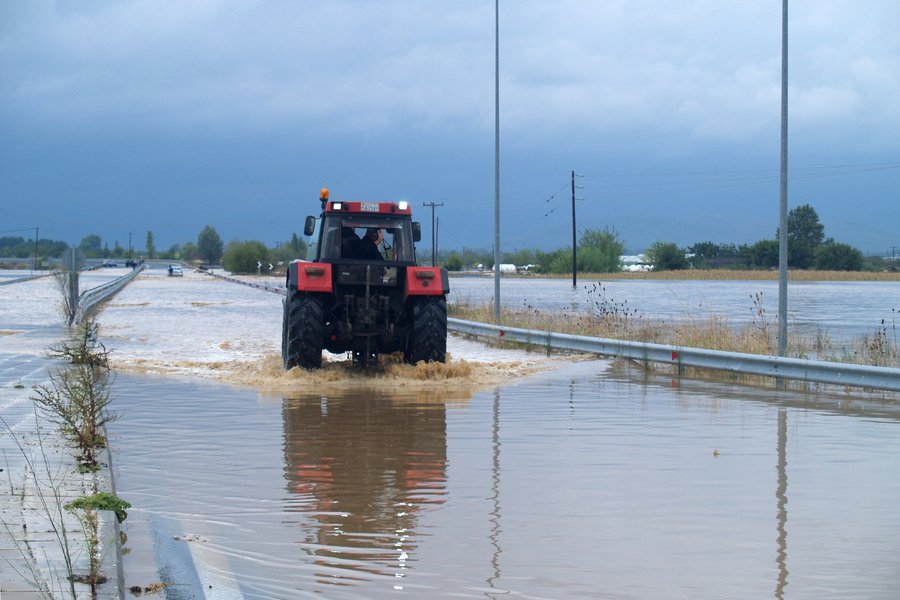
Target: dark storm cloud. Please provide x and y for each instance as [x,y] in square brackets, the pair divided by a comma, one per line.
[241,104]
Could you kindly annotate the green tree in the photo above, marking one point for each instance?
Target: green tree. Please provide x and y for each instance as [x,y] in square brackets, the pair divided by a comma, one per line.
[600,251]
[242,257]
[151,248]
[805,235]
[834,256]
[298,246]
[453,262]
[188,251]
[92,245]
[763,254]
[666,256]
[704,254]
[707,250]
[286,252]
[209,245]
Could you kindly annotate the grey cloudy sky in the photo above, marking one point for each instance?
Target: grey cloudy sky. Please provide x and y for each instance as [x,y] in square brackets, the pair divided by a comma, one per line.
[123,116]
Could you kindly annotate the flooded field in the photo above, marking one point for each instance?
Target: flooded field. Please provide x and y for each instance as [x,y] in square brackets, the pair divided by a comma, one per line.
[842,309]
[503,473]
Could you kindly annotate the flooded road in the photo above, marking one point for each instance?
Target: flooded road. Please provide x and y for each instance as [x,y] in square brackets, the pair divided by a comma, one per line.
[504,473]
[579,482]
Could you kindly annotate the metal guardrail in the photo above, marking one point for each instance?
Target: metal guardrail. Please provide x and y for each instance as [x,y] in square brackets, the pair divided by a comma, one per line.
[259,286]
[88,300]
[24,279]
[819,371]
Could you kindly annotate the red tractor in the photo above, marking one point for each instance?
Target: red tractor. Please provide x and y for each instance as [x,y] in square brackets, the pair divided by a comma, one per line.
[361,291]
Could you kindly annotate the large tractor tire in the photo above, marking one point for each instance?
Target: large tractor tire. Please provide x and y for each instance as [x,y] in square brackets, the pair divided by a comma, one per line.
[428,338]
[303,331]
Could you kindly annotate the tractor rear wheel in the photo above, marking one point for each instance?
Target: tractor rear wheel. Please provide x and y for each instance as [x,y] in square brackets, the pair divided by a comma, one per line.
[303,331]
[428,338]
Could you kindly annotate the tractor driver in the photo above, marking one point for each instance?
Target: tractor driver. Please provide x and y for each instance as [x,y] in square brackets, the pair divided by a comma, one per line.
[369,244]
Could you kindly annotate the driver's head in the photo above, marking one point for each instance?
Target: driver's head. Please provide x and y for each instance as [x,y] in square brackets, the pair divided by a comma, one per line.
[372,233]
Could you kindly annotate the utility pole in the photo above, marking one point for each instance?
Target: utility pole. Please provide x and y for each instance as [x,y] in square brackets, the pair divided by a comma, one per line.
[35,250]
[129,244]
[497,161]
[433,205]
[783,216]
[574,235]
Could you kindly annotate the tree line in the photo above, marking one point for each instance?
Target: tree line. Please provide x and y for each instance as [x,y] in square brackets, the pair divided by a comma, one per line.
[599,251]
[237,256]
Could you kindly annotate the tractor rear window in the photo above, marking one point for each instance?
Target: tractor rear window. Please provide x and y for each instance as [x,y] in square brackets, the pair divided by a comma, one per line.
[367,238]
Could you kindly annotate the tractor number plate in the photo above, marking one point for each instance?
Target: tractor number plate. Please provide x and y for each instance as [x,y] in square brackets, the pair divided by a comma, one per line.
[368,206]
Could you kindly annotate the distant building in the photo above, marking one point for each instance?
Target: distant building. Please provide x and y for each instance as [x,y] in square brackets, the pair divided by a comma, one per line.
[635,263]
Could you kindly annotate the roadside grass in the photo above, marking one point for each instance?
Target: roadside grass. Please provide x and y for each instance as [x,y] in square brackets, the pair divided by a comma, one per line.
[607,318]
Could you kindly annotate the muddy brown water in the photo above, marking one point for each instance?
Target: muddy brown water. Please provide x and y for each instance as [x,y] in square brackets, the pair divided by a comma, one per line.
[590,480]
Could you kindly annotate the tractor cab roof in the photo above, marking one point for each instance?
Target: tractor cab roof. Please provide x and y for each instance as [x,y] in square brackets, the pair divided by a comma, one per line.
[383,208]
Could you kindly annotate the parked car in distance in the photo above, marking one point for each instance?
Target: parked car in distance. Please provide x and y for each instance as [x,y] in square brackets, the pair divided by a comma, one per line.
[175,271]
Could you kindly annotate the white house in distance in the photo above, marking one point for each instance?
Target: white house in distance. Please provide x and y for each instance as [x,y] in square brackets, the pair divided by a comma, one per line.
[635,263]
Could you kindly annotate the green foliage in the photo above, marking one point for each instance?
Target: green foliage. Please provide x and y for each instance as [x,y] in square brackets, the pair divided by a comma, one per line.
[298,246]
[518,257]
[805,235]
[241,257]
[286,252]
[150,246]
[101,501]
[666,256]
[77,397]
[834,256]
[705,250]
[117,251]
[454,262]
[762,255]
[600,251]
[189,251]
[92,245]
[209,245]
[19,247]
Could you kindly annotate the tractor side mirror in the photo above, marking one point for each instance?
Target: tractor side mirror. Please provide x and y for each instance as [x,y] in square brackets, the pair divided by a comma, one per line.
[310,226]
[417,231]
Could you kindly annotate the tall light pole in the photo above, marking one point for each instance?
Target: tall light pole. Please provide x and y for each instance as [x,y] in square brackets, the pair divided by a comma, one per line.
[782,231]
[497,161]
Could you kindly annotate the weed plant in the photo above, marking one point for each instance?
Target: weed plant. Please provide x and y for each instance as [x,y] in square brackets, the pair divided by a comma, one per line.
[66,308]
[78,395]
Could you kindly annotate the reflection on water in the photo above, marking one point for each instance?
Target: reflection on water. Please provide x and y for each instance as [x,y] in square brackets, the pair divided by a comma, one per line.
[781,495]
[581,482]
[362,468]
